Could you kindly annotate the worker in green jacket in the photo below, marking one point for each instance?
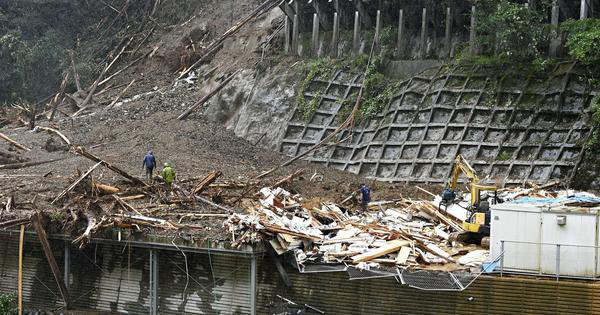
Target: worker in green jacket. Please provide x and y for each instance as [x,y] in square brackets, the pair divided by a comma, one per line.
[168,174]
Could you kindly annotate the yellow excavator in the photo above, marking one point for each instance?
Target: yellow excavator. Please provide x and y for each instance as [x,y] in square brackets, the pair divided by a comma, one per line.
[477,225]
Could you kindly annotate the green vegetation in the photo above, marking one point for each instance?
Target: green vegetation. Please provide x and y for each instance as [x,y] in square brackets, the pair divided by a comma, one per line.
[377,93]
[8,304]
[36,37]
[583,39]
[510,29]
[504,156]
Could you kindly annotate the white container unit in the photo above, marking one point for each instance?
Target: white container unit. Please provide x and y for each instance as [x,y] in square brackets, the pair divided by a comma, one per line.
[532,232]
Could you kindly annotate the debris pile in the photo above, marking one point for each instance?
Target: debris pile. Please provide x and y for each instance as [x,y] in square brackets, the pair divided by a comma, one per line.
[405,233]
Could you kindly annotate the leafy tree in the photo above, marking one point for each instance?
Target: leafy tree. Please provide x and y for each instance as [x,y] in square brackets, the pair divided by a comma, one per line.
[583,39]
[510,29]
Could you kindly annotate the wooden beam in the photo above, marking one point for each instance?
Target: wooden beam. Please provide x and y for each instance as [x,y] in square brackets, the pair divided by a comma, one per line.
[389,247]
[209,179]
[13,142]
[81,151]
[207,96]
[70,187]
[37,224]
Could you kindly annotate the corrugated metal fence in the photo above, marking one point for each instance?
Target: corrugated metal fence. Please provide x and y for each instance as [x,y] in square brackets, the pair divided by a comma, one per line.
[335,294]
[115,278]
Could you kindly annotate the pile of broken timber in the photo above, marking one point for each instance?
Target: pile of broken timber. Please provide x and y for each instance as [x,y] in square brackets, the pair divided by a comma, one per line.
[404,233]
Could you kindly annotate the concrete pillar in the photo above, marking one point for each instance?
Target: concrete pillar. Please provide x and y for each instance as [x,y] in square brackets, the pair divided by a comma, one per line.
[448,38]
[554,40]
[153,282]
[400,34]
[377,30]
[355,47]
[315,36]
[67,264]
[423,34]
[583,14]
[295,35]
[472,33]
[253,285]
[335,37]
[286,35]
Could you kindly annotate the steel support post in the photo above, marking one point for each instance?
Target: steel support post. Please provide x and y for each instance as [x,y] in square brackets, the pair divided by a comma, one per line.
[153,282]
[400,34]
[448,39]
[315,36]
[286,35]
[67,264]
[472,33]
[295,35]
[355,47]
[501,258]
[377,30]
[253,285]
[557,262]
[583,14]
[335,36]
[423,34]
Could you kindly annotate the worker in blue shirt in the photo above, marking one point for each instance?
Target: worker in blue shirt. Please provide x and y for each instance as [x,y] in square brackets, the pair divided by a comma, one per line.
[149,164]
[366,196]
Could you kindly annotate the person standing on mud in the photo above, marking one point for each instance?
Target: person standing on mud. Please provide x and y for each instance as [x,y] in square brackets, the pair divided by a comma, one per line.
[149,164]
[168,174]
[365,196]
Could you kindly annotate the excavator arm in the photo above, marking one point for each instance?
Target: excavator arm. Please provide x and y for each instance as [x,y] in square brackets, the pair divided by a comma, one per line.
[462,166]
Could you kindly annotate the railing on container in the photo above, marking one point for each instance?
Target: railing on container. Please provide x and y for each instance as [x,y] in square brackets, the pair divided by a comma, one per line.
[557,260]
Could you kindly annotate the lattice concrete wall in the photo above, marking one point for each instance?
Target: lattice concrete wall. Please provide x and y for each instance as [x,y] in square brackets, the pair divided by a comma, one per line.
[534,130]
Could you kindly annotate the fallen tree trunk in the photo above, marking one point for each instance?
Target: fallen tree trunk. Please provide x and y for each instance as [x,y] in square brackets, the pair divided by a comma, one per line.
[70,187]
[58,97]
[207,96]
[13,142]
[288,179]
[37,224]
[263,8]
[92,223]
[56,132]
[15,166]
[119,95]
[81,151]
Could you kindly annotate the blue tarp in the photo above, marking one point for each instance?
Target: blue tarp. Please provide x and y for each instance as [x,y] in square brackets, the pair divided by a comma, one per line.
[556,200]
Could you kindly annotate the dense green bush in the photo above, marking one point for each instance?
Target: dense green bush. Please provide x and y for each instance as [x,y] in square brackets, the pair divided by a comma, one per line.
[510,29]
[583,39]
[8,304]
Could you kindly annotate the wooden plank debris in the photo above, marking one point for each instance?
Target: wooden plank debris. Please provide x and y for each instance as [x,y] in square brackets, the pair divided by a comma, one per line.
[37,224]
[390,247]
[403,255]
[209,179]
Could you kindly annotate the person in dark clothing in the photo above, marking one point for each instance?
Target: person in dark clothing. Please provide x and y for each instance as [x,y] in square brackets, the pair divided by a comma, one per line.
[149,164]
[366,196]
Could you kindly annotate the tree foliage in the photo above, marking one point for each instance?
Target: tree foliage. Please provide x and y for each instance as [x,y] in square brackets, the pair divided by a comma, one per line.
[8,304]
[510,29]
[583,39]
